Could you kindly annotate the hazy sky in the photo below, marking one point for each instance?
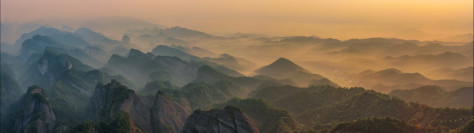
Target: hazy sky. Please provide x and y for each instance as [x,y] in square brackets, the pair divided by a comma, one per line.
[410,19]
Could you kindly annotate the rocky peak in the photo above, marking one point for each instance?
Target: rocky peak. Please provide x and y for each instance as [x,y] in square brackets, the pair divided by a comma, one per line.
[167,114]
[110,99]
[228,120]
[33,113]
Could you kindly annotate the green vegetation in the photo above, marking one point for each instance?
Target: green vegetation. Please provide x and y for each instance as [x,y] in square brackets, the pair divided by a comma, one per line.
[436,96]
[151,88]
[70,84]
[31,113]
[318,106]
[121,124]
[267,118]
[468,128]
[377,125]
[85,127]
[201,95]
[107,99]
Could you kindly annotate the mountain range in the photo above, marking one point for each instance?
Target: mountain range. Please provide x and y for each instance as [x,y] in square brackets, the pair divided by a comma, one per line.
[66,80]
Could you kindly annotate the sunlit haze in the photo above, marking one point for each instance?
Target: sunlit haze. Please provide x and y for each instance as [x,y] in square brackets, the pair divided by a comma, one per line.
[341,19]
[224,66]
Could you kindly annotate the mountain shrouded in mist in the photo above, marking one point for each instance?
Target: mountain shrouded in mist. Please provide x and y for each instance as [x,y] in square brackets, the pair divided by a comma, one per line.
[285,69]
[391,79]
[139,66]
[31,113]
[131,76]
[436,96]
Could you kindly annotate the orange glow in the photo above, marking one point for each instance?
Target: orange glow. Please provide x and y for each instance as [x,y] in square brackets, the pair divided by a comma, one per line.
[343,19]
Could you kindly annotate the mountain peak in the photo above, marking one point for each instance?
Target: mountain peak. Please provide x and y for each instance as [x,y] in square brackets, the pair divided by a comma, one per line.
[283,60]
[280,65]
[135,53]
[391,70]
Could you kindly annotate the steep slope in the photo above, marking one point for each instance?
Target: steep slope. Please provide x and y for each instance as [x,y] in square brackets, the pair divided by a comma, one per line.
[229,120]
[164,114]
[267,118]
[285,69]
[110,99]
[168,115]
[436,96]
[69,83]
[32,113]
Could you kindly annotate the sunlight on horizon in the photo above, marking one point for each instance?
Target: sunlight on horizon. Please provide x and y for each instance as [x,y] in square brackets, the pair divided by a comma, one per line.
[414,19]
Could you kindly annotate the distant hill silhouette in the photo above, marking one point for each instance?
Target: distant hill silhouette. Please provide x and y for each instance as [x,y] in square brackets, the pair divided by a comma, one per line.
[285,69]
[436,96]
[391,79]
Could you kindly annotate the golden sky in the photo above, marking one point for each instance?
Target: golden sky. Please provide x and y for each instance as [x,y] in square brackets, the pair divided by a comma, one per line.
[343,19]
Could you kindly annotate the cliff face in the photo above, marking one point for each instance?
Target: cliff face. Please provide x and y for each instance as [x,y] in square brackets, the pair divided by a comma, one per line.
[228,120]
[168,115]
[109,100]
[32,113]
[266,117]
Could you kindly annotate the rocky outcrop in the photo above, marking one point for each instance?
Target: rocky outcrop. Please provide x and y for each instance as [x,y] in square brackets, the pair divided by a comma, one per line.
[228,120]
[267,118]
[168,115]
[109,100]
[33,113]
